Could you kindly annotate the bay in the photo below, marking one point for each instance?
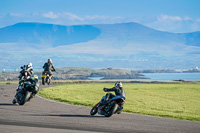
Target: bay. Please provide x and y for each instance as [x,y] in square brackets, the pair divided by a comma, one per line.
[172,76]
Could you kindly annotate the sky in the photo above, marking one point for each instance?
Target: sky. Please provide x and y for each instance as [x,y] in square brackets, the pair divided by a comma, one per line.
[178,16]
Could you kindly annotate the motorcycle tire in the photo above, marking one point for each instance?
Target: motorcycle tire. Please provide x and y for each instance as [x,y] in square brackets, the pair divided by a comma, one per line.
[111,111]
[43,81]
[22,100]
[25,98]
[93,111]
[48,81]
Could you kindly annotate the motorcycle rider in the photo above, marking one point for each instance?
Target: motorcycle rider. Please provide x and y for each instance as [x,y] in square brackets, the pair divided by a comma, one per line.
[26,68]
[34,86]
[48,66]
[119,91]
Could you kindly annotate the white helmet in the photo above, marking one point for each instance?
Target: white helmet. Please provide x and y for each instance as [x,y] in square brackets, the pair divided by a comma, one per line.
[49,60]
[118,84]
[30,64]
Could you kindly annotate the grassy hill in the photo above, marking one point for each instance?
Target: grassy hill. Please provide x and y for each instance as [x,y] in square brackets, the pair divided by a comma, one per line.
[74,73]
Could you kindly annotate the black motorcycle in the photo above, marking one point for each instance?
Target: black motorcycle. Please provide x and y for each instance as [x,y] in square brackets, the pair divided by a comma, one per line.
[24,93]
[46,78]
[113,106]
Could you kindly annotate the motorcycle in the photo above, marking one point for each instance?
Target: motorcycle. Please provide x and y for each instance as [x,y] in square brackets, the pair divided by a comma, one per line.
[23,94]
[113,106]
[46,78]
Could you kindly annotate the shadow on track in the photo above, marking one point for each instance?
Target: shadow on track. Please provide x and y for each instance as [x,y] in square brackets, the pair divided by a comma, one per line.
[69,115]
[7,104]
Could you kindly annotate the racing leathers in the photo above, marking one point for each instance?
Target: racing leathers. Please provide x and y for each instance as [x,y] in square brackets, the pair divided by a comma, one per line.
[119,91]
[48,66]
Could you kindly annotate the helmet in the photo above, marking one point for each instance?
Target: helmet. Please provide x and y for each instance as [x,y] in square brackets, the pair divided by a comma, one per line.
[34,77]
[49,60]
[118,84]
[30,64]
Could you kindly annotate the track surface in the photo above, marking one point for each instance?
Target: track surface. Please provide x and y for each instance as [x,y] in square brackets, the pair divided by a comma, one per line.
[42,115]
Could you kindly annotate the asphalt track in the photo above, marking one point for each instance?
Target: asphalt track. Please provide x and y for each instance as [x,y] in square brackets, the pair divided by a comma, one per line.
[46,116]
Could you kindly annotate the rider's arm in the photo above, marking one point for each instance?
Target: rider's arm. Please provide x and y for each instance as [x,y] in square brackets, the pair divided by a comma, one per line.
[44,65]
[107,90]
[53,68]
[33,82]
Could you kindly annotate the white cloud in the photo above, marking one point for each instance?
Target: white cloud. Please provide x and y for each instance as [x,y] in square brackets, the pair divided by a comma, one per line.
[73,17]
[187,18]
[50,15]
[87,17]
[162,22]
[70,16]
[15,14]
[169,18]
[176,24]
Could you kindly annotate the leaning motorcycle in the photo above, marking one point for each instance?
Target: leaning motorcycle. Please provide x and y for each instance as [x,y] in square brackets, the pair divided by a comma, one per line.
[23,94]
[113,106]
[46,78]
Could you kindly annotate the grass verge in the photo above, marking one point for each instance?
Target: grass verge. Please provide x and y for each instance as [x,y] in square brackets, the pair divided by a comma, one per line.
[179,101]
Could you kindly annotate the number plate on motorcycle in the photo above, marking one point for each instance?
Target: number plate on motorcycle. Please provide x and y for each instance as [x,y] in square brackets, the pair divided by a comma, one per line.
[44,76]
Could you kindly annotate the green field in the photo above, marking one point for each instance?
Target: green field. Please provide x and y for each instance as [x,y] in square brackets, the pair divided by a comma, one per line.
[179,101]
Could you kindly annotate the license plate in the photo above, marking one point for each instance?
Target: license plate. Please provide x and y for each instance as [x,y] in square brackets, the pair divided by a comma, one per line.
[44,76]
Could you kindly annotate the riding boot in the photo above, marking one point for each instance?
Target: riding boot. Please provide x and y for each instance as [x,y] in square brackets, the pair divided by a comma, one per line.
[120,109]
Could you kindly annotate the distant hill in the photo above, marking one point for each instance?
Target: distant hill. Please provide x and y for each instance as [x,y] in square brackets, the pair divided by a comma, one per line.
[52,35]
[122,45]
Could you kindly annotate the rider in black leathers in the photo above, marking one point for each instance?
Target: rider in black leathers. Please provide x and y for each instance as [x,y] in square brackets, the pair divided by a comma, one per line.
[118,89]
[48,66]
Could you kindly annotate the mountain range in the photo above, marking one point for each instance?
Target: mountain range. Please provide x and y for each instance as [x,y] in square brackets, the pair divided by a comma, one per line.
[121,45]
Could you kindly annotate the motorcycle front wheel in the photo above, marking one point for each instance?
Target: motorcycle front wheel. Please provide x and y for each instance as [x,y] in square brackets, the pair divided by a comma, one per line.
[22,99]
[48,81]
[111,111]
[93,111]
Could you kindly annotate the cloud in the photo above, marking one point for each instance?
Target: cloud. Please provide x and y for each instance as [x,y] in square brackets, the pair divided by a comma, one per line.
[50,15]
[15,14]
[176,24]
[187,18]
[88,17]
[64,15]
[70,16]
[162,22]
[169,18]
[73,17]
